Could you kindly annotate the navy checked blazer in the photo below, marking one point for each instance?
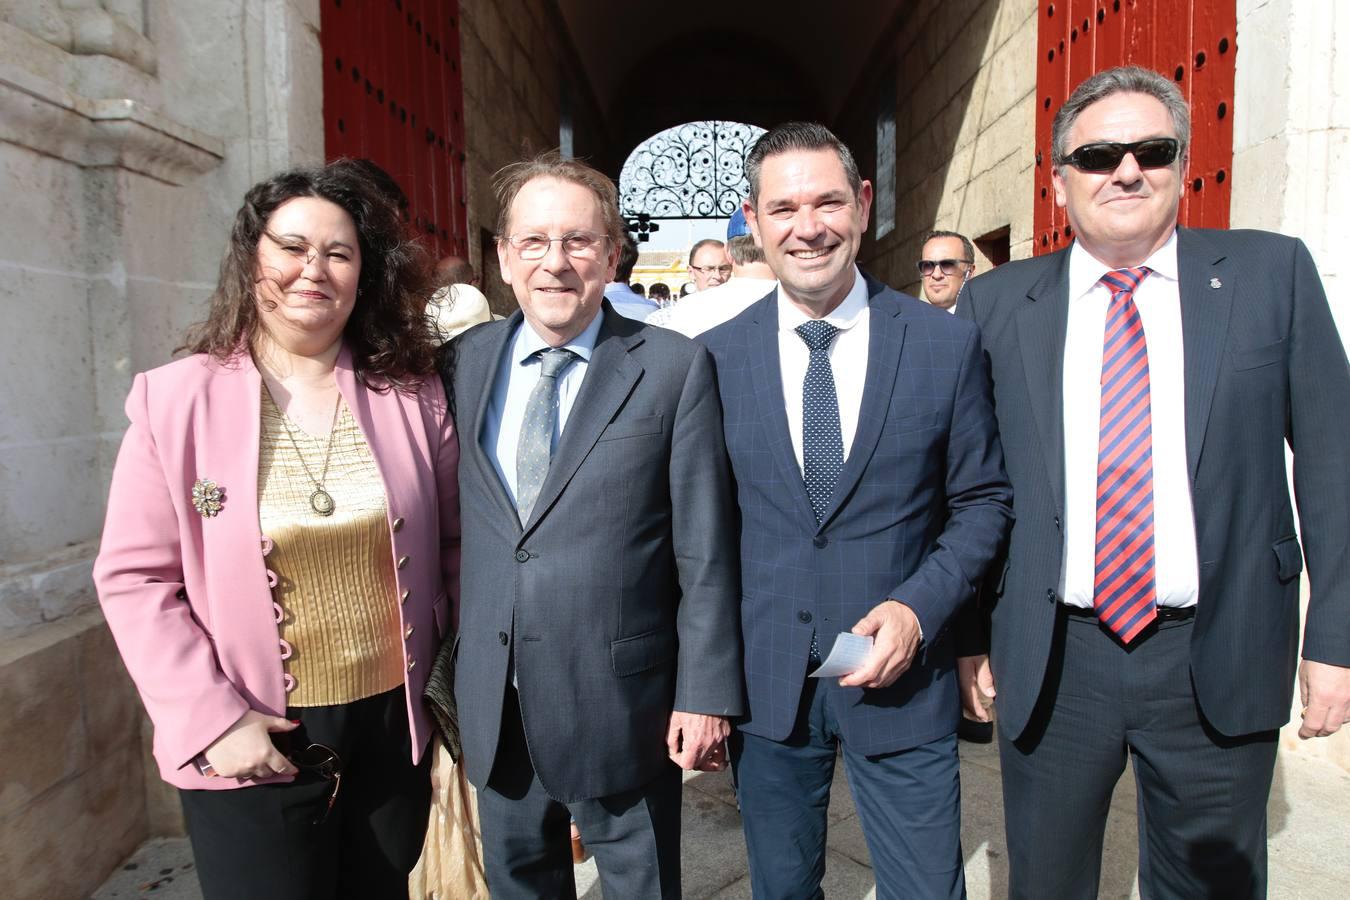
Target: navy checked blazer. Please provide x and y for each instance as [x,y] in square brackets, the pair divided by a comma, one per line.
[922,506]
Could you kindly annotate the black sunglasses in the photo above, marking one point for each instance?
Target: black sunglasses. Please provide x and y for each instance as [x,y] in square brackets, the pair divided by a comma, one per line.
[1153,153]
[324,762]
[948,266]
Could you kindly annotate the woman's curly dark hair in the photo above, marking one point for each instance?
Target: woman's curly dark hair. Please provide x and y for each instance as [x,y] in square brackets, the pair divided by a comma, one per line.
[387,334]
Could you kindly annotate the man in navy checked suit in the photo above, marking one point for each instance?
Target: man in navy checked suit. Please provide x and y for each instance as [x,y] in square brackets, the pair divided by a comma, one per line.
[872,496]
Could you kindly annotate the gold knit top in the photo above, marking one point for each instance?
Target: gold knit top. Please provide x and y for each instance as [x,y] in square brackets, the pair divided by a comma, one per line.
[336,587]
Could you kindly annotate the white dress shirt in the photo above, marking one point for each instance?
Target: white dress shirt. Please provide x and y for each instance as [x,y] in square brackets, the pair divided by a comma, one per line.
[1159,302]
[704,310]
[517,374]
[848,361]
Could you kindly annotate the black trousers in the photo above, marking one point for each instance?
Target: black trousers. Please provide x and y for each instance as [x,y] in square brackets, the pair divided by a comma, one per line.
[260,843]
[634,835]
[1201,795]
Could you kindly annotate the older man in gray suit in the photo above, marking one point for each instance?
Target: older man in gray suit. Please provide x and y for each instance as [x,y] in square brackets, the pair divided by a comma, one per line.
[599,636]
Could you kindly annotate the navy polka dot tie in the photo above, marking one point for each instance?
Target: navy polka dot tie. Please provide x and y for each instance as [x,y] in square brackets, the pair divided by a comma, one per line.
[535,444]
[822,439]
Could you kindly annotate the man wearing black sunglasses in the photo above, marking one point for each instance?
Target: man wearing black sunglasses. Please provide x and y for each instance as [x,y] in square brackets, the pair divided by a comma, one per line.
[1147,380]
[946,263]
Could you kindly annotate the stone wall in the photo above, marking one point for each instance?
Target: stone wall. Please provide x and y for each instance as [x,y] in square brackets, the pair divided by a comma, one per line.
[1291,166]
[129,131]
[964,123]
[520,68]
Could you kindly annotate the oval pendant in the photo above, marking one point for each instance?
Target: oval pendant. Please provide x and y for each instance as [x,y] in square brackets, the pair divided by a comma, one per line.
[322,502]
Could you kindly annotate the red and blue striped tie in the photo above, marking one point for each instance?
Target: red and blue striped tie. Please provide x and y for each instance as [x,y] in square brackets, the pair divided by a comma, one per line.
[1125,595]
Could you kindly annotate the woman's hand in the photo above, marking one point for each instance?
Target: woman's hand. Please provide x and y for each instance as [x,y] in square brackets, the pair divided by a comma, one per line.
[246,751]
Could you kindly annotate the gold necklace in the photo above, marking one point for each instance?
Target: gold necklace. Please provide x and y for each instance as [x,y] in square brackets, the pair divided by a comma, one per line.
[320,501]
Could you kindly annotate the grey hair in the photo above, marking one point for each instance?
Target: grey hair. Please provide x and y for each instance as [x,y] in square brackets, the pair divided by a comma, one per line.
[1121,80]
[551,164]
[743,251]
[966,246]
[798,136]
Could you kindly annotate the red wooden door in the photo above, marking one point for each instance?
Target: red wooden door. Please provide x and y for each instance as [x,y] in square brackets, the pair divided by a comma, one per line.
[1191,40]
[393,93]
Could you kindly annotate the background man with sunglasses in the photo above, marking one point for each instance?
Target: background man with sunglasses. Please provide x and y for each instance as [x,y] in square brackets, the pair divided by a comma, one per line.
[945,264]
[1147,380]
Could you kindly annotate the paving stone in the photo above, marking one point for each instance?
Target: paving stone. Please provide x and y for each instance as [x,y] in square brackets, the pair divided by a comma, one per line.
[1307,840]
[162,868]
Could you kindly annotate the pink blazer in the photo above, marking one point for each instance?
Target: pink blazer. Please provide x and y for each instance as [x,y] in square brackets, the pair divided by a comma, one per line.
[188,597]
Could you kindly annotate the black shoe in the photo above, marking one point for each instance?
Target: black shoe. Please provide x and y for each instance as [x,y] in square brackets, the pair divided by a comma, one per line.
[975,732]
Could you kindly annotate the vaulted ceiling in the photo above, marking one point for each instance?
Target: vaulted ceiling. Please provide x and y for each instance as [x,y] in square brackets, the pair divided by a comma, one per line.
[654,65]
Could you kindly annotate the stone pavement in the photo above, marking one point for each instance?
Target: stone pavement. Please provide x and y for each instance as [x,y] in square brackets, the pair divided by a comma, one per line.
[1309,837]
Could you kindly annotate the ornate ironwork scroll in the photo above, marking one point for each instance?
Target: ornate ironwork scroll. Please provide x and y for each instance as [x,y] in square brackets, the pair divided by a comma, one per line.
[692,171]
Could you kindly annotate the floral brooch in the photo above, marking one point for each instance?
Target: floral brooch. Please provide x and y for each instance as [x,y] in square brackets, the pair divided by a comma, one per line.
[208,498]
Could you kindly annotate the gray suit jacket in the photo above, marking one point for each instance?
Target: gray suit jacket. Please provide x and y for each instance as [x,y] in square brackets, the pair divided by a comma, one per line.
[619,598]
[1263,366]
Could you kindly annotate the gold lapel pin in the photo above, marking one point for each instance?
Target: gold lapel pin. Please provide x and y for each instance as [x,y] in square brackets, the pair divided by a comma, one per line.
[1215,283]
[208,498]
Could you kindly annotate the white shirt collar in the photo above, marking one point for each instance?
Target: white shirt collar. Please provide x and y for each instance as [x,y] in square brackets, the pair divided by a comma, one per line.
[844,316]
[1085,270]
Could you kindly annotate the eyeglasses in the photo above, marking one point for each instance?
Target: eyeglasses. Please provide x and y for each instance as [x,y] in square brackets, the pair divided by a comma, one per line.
[579,244]
[948,266]
[1154,153]
[709,270]
[323,761]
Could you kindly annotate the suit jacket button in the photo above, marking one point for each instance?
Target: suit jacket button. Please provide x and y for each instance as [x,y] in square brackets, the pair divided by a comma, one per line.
[411,662]
[522,555]
[408,632]
[1050,594]
[403,597]
[820,541]
[803,616]
[502,638]
[398,524]
[403,562]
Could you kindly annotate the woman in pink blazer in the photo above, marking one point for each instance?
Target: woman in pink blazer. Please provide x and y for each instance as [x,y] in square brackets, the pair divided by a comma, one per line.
[281,548]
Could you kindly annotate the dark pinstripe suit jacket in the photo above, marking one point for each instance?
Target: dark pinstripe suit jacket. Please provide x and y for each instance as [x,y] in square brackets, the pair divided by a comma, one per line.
[1263,364]
[617,600]
[921,507]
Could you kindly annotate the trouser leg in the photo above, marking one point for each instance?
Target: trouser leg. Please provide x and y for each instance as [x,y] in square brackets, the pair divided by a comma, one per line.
[1058,776]
[784,791]
[1202,795]
[525,832]
[635,837]
[909,803]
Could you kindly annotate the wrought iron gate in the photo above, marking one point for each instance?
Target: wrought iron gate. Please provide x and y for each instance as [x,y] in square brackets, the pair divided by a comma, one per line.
[692,171]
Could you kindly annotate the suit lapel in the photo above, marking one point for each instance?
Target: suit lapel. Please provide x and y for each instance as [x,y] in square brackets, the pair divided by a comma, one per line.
[1041,325]
[766,374]
[610,377]
[484,377]
[885,341]
[1205,313]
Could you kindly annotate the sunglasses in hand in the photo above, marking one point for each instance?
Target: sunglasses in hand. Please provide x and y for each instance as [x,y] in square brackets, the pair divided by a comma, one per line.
[1106,156]
[323,761]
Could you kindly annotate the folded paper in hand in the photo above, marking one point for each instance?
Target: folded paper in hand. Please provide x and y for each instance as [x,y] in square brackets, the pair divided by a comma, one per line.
[846,656]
